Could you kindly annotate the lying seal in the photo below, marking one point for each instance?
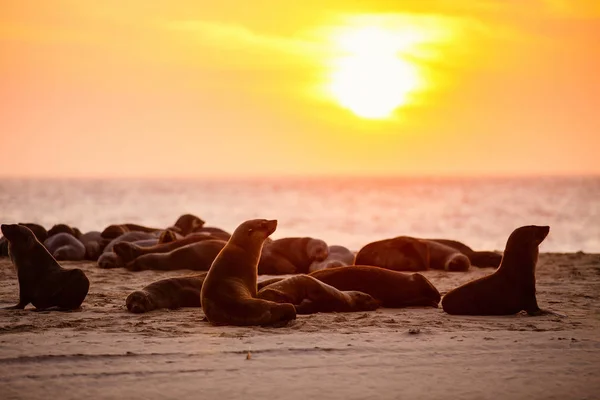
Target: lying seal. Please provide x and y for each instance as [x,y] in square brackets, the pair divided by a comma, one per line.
[216,232]
[480,259]
[511,288]
[196,256]
[339,256]
[168,293]
[93,243]
[445,257]
[393,289]
[228,295]
[109,259]
[402,253]
[63,228]
[114,231]
[42,281]
[187,223]
[130,251]
[65,247]
[291,255]
[310,296]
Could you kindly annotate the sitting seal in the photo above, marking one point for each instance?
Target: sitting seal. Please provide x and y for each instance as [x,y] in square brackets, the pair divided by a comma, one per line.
[310,296]
[168,293]
[393,289]
[130,251]
[291,255]
[196,256]
[65,247]
[480,259]
[228,295]
[218,233]
[402,253]
[339,256]
[42,281]
[511,288]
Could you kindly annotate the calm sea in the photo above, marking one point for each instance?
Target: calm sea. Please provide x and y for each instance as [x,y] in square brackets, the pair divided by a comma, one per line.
[352,212]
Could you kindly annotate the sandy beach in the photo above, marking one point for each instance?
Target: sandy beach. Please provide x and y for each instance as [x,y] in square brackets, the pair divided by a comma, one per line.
[104,352]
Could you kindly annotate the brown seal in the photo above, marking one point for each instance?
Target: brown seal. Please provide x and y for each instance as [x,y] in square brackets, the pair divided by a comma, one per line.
[338,256]
[216,232]
[445,257]
[63,228]
[130,251]
[187,223]
[291,255]
[65,247]
[228,295]
[310,296]
[109,259]
[168,293]
[480,259]
[93,243]
[196,256]
[393,289]
[511,288]
[42,281]
[114,231]
[402,253]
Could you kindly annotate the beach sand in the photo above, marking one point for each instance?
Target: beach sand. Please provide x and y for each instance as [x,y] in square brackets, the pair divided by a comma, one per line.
[104,352]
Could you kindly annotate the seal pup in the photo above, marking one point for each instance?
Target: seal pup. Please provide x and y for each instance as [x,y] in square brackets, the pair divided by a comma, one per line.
[196,256]
[511,288]
[402,253]
[292,255]
[130,251]
[338,256]
[65,247]
[481,259]
[42,281]
[228,296]
[171,293]
[309,296]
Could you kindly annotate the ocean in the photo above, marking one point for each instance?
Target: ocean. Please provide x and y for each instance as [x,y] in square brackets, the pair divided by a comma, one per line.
[351,212]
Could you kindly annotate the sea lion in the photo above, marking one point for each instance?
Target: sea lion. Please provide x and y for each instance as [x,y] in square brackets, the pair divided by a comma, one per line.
[196,256]
[216,232]
[93,243]
[393,289]
[339,256]
[310,296]
[42,281]
[130,251]
[292,255]
[65,247]
[39,231]
[511,288]
[114,231]
[445,257]
[228,295]
[480,259]
[402,253]
[187,223]
[168,293]
[63,228]
[109,259]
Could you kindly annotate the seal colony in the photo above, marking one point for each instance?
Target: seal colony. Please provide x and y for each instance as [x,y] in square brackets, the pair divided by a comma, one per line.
[325,278]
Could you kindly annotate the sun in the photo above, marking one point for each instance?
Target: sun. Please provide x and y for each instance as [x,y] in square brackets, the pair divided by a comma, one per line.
[371,78]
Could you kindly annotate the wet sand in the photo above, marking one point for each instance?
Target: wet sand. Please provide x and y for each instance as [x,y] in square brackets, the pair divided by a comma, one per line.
[104,352]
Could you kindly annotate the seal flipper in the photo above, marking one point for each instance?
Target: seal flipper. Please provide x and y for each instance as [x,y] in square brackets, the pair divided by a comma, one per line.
[307,306]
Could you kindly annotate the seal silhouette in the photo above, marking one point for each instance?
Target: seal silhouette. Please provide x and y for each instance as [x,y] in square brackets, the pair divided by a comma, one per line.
[228,296]
[187,223]
[292,255]
[445,257]
[42,281]
[511,288]
[309,296]
[338,256]
[196,256]
[114,231]
[479,259]
[65,247]
[168,293]
[401,253]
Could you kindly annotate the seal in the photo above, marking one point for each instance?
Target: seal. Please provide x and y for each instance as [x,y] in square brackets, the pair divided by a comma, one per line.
[402,253]
[65,247]
[93,243]
[218,233]
[114,231]
[109,259]
[445,257]
[228,296]
[187,223]
[339,256]
[167,236]
[310,296]
[196,256]
[511,288]
[38,230]
[171,293]
[481,259]
[393,289]
[292,255]
[42,281]
[130,251]
[64,228]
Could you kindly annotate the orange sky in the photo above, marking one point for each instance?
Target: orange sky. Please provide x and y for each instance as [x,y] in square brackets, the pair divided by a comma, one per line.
[185,88]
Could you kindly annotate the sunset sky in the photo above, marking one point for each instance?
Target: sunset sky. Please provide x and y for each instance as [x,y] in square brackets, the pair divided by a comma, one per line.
[187,88]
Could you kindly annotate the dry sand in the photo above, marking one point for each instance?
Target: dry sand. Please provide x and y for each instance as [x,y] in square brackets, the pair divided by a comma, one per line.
[104,352]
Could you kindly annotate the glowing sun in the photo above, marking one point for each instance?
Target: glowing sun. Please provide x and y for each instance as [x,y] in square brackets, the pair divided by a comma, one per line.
[371,78]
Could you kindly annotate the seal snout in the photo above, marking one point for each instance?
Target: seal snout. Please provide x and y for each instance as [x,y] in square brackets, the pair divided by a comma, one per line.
[270,226]
[543,232]
[13,231]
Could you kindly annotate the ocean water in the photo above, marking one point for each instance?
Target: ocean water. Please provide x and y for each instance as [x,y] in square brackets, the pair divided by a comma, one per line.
[351,212]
